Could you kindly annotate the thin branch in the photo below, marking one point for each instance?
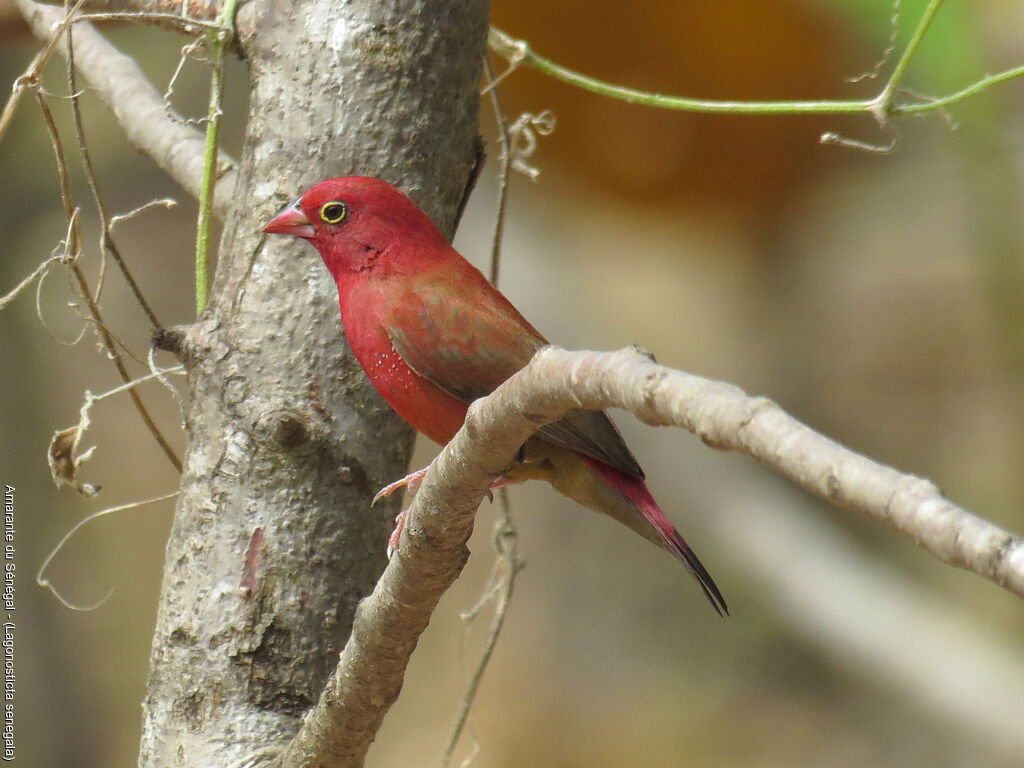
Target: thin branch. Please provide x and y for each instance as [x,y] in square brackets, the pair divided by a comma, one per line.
[18,89]
[30,77]
[37,272]
[94,310]
[506,544]
[941,102]
[161,202]
[504,162]
[519,50]
[107,243]
[880,107]
[340,728]
[43,581]
[119,83]
[184,16]
[885,97]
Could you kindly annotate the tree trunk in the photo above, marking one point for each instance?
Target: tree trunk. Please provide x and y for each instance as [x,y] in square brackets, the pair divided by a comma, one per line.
[274,542]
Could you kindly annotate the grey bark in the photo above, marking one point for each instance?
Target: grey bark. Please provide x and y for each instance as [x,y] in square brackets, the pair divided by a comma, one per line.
[274,542]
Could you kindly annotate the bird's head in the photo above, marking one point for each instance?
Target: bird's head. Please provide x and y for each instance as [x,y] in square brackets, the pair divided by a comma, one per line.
[359,223]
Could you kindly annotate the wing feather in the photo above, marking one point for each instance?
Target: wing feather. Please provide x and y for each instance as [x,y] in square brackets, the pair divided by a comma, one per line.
[467,344]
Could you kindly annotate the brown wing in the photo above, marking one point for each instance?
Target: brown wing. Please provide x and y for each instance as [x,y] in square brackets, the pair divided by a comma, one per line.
[468,339]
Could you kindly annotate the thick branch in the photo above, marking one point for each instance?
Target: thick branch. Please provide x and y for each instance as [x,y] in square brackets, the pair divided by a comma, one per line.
[388,623]
[119,83]
[724,417]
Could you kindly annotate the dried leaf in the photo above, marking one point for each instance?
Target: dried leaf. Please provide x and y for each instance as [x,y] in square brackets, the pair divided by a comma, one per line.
[65,460]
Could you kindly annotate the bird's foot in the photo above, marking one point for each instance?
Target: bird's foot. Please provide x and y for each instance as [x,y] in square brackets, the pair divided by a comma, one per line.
[397,533]
[411,481]
[501,482]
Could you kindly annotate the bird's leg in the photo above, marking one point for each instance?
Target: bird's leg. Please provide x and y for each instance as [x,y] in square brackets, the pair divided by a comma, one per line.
[412,480]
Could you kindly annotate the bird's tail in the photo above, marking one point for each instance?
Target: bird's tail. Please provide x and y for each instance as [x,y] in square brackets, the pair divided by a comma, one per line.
[652,524]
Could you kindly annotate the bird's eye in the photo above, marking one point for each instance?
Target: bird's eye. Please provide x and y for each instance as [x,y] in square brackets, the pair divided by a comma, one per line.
[333,212]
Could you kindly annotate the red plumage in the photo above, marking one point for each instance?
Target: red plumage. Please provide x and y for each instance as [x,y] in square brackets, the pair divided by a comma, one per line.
[433,335]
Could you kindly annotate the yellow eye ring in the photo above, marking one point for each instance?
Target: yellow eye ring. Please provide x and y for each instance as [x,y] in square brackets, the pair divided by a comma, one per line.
[333,212]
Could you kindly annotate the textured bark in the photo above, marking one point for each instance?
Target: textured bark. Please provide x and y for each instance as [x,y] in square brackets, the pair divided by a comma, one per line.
[274,542]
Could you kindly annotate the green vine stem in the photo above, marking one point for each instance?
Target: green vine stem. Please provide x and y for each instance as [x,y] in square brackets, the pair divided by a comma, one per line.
[880,107]
[219,42]
[519,52]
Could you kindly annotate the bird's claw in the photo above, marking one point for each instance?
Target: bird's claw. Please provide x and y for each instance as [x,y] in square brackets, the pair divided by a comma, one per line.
[411,480]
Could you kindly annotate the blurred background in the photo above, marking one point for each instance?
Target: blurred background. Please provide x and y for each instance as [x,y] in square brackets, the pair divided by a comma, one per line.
[878,298]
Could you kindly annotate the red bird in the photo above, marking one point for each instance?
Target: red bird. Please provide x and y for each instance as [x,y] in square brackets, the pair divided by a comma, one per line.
[433,335]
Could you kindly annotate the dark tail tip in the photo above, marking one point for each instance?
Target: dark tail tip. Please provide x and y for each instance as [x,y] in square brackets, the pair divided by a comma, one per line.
[700,573]
[707,584]
[645,517]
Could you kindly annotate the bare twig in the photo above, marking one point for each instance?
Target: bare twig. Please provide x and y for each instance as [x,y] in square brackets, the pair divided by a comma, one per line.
[837,139]
[107,243]
[161,202]
[37,272]
[198,9]
[30,73]
[185,24]
[500,589]
[94,310]
[30,77]
[42,581]
[138,106]
[504,152]
[184,16]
